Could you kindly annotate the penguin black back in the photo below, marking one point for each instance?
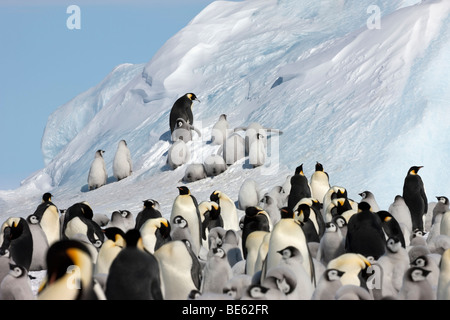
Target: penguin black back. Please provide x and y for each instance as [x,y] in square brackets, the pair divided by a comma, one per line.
[18,240]
[415,197]
[308,227]
[149,211]
[299,187]
[253,221]
[182,108]
[391,226]
[134,273]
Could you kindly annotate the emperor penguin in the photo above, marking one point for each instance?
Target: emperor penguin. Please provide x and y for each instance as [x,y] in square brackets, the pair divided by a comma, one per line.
[154,233]
[393,263]
[180,270]
[441,207]
[237,285]
[219,131]
[365,234]
[47,216]
[69,273]
[255,219]
[178,154]
[228,210]
[306,216]
[186,206]
[183,131]
[257,151]
[331,244]
[16,285]
[400,211]
[214,165]
[122,219]
[293,260]
[249,194]
[443,290]
[288,232]
[210,219]
[78,220]
[427,262]
[320,183]
[194,172]
[335,192]
[122,164]
[134,274]
[354,266]
[150,210]
[216,272]
[182,108]
[415,197]
[300,187]
[270,204]
[391,227]
[97,173]
[415,286]
[17,239]
[369,197]
[327,286]
[114,243]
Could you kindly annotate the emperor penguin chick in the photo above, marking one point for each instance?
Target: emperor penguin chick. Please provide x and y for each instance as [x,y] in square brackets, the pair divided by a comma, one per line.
[97,173]
[122,165]
[329,283]
[415,286]
[217,272]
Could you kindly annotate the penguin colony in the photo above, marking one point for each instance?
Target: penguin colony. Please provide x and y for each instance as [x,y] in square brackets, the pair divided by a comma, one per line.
[304,239]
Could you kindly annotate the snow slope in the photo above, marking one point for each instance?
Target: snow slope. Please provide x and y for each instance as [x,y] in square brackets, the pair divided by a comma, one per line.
[366,103]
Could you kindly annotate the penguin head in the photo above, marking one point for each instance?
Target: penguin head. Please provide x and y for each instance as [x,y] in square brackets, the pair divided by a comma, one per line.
[333,274]
[180,222]
[184,190]
[289,252]
[215,211]
[252,211]
[33,219]
[303,211]
[442,199]
[219,252]
[192,97]
[99,153]
[299,170]
[114,233]
[338,192]
[13,228]
[319,166]
[46,197]
[414,170]
[363,207]
[421,261]
[416,274]
[17,271]
[133,238]
[339,221]
[286,213]
[331,227]
[393,244]
[215,196]
[257,291]
[150,203]
[223,117]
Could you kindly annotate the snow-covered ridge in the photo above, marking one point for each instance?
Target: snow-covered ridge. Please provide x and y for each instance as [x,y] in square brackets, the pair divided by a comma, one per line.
[368,104]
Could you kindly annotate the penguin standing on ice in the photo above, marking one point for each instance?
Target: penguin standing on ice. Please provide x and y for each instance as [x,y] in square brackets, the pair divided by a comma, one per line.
[182,108]
[149,211]
[415,197]
[97,173]
[299,188]
[122,164]
[320,183]
[228,210]
[47,216]
[16,285]
[17,239]
[220,131]
[186,206]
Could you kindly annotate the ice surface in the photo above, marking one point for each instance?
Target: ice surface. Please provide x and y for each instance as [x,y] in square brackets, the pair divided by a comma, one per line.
[366,103]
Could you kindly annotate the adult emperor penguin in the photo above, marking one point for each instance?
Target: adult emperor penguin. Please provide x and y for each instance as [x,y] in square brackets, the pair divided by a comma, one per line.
[134,274]
[155,232]
[114,243]
[122,164]
[17,239]
[186,206]
[182,108]
[78,220]
[210,219]
[365,234]
[16,285]
[288,232]
[47,215]
[415,197]
[354,266]
[255,219]
[69,273]
[180,270]
[228,210]
[320,183]
[335,192]
[305,214]
[150,210]
[97,173]
[299,187]
[219,131]
[391,227]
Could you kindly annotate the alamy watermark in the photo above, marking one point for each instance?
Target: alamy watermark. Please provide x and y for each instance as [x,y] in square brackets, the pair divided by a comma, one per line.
[374,21]
[73,22]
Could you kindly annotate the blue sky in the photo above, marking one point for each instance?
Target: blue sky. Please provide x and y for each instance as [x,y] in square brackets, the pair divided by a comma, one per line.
[43,64]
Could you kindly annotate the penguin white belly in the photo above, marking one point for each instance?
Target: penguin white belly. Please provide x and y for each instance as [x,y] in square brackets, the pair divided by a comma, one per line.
[229,215]
[184,206]
[75,226]
[445,224]
[97,174]
[319,185]
[106,255]
[50,223]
